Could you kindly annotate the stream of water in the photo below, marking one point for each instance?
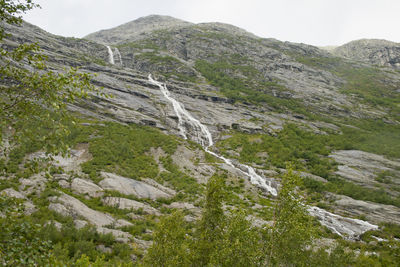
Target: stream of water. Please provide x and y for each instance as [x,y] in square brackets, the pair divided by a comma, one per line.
[346,227]
[202,135]
[110,55]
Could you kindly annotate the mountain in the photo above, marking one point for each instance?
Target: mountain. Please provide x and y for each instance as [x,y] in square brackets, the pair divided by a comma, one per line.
[134,29]
[372,51]
[234,104]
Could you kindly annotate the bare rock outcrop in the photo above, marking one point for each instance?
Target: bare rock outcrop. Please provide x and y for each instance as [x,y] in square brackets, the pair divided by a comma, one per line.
[124,203]
[129,186]
[86,187]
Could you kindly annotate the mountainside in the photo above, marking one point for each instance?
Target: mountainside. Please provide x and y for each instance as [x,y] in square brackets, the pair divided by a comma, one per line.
[223,102]
[135,29]
[372,51]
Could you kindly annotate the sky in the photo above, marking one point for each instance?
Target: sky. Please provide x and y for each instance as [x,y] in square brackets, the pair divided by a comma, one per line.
[315,22]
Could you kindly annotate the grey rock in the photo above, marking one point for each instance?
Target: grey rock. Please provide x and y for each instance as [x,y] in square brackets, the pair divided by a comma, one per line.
[70,206]
[104,249]
[373,212]
[80,224]
[142,243]
[64,184]
[35,184]
[87,187]
[119,235]
[136,28]
[59,208]
[124,203]
[128,186]
[374,51]
[363,167]
[185,206]
[11,192]
[56,224]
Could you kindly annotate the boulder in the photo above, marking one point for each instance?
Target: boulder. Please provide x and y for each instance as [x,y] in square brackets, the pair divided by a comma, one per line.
[86,187]
[68,205]
[129,186]
[10,192]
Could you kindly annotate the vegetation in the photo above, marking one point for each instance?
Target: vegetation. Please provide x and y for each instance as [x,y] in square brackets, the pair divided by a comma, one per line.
[33,98]
[34,117]
[122,149]
[369,84]
[304,149]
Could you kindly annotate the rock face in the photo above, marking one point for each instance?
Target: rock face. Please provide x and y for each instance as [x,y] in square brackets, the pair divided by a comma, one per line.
[374,51]
[373,212]
[67,205]
[128,186]
[136,28]
[129,204]
[364,168]
[82,186]
[343,226]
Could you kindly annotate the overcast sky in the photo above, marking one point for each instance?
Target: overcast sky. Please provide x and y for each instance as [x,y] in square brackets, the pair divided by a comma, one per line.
[316,22]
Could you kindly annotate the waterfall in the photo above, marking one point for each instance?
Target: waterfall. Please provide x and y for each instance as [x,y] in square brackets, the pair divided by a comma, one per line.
[343,226]
[203,136]
[118,54]
[110,55]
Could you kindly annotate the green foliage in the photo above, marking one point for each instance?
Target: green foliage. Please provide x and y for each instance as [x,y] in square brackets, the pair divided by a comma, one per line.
[123,149]
[290,237]
[216,240]
[170,243]
[342,187]
[244,83]
[10,12]
[168,66]
[370,135]
[20,242]
[304,149]
[370,84]
[33,98]
[177,178]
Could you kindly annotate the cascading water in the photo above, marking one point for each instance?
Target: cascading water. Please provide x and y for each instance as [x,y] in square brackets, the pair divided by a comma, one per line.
[345,227]
[203,136]
[110,55]
[118,54]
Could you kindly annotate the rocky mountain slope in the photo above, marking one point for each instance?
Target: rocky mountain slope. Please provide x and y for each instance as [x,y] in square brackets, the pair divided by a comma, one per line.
[372,51]
[263,101]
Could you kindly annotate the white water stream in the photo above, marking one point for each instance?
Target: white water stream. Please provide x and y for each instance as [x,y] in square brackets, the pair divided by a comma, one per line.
[203,136]
[110,55]
[343,226]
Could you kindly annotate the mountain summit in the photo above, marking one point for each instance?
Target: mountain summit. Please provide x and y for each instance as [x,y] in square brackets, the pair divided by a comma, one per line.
[374,51]
[133,29]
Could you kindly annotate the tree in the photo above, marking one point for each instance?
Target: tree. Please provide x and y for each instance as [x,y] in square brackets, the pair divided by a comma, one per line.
[170,246]
[33,98]
[289,239]
[20,244]
[209,231]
